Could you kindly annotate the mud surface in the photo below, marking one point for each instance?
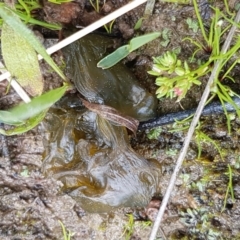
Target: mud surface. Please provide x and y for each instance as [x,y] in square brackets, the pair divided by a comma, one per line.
[31,204]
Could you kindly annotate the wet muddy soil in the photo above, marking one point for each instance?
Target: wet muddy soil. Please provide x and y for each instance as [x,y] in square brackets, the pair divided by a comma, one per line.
[201,205]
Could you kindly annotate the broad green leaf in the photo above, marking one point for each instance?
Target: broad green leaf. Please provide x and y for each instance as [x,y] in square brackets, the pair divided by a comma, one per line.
[21,60]
[14,22]
[6,117]
[113,58]
[137,42]
[21,113]
[28,125]
[123,51]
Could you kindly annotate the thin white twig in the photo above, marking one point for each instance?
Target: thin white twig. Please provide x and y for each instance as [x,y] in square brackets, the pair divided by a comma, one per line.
[191,131]
[22,94]
[119,12]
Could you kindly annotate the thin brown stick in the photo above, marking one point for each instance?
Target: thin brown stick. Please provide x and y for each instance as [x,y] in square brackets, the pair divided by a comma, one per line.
[191,131]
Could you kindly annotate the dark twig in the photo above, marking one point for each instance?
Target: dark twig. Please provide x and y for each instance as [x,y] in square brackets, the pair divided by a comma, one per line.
[191,131]
[214,108]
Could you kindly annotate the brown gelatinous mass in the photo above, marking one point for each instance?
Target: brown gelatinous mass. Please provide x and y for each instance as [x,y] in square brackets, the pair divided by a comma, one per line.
[97,166]
[115,87]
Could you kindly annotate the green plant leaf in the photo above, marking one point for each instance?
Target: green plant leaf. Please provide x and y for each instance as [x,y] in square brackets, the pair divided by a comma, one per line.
[37,22]
[21,60]
[113,58]
[15,23]
[139,23]
[6,117]
[22,112]
[26,126]
[137,42]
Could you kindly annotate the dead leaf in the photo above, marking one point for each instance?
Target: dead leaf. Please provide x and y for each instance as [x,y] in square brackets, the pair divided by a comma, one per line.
[113,115]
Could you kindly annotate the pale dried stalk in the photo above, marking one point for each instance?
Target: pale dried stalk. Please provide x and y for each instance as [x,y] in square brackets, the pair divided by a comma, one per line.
[149,8]
[191,131]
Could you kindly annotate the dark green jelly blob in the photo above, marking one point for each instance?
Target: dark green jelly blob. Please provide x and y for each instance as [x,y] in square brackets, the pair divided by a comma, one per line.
[116,86]
[100,171]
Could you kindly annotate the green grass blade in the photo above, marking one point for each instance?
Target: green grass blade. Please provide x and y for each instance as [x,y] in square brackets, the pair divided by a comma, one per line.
[26,9]
[25,111]
[14,22]
[37,22]
[200,20]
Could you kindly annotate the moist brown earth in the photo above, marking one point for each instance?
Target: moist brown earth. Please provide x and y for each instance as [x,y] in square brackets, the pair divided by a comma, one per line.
[31,205]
